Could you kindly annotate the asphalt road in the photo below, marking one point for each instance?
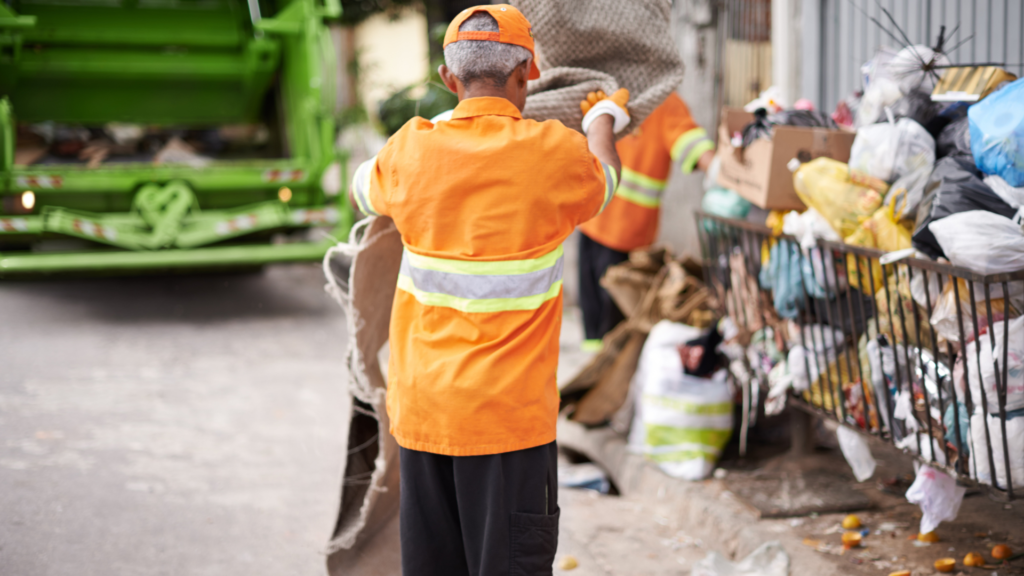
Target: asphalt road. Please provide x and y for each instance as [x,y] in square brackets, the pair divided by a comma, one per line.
[170,425]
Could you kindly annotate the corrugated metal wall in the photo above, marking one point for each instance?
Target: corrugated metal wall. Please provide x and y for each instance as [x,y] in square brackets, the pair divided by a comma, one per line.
[990,31]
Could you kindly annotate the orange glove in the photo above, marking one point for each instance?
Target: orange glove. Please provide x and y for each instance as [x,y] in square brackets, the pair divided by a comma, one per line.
[598,103]
[620,98]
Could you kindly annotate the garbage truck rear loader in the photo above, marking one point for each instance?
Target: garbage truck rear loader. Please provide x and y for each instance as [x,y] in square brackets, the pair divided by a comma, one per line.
[151,92]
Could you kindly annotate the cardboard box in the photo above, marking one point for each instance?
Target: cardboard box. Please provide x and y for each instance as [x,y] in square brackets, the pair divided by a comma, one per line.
[969,83]
[759,172]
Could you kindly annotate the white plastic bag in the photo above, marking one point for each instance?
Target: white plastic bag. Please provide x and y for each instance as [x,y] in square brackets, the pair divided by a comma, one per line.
[992,360]
[889,151]
[981,470]
[770,559]
[682,422]
[1011,195]
[981,241]
[938,496]
[857,453]
[908,68]
[807,227]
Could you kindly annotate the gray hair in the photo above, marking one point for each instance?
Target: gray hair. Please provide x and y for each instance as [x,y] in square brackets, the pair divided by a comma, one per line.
[473,60]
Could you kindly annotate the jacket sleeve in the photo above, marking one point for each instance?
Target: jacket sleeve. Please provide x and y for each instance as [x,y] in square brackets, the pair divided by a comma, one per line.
[685,140]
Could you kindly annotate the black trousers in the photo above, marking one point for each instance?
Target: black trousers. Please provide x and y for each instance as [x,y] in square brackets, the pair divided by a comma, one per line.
[600,314]
[494,515]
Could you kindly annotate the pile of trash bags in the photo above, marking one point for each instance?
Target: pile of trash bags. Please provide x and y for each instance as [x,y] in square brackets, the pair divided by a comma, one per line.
[932,356]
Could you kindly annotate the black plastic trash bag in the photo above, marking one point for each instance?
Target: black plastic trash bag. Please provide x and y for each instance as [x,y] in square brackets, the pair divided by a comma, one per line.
[955,140]
[917,106]
[955,186]
[761,127]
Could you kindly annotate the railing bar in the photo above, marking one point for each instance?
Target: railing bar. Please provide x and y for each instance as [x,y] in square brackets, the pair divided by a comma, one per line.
[961,461]
[801,314]
[817,321]
[906,355]
[935,360]
[898,373]
[746,238]
[1005,388]
[981,386]
[878,333]
[867,400]
[920,361]
[832,332]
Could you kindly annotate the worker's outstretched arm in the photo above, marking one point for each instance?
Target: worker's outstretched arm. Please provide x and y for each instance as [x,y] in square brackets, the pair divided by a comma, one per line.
[603,117]
[601,140]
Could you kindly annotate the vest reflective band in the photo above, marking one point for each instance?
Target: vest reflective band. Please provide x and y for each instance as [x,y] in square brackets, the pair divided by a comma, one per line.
[361,186]
[640,189]
[610,184]
[690,147]
[482,286]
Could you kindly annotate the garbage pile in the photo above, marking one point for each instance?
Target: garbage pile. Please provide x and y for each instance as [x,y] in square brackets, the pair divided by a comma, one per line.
[932,356]
[47,143]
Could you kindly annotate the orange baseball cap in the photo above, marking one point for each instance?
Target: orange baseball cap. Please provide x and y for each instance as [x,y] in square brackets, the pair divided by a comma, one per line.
[513,28]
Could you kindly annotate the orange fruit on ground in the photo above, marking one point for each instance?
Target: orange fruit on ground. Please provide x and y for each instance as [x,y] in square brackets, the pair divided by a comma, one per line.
[900,573]
[974,559]
[945,564]
[929,537]
[851,522]
[851,539]
[1001,552]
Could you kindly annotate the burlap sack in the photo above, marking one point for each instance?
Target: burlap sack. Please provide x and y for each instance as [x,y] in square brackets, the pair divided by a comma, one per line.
[586,45]
[362,275]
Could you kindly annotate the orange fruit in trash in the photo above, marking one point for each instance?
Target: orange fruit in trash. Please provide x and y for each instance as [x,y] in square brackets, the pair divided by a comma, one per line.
[851,522]
[1001,552]
[929,537]
[900,573]
[945,564]
[851,539]
[973,559]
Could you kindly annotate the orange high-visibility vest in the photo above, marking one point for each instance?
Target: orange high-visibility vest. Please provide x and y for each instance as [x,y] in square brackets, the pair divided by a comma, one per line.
[483,203]
[668,137]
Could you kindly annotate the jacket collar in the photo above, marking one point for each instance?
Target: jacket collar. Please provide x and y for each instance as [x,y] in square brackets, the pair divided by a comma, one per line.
[485,106]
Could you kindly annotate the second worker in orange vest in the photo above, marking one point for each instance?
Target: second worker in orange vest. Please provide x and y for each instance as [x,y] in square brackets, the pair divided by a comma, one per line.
[668,140]
[483,202]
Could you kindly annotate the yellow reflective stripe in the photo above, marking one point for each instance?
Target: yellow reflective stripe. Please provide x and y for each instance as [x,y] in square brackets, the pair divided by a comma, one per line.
[698,150]
[688,137]
[642,180]
[611,182]
[361,187]
[406,284]
[505,267]
[637,198]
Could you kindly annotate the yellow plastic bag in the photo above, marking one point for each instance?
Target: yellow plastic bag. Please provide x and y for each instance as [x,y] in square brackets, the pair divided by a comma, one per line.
[882,231]
[826,185]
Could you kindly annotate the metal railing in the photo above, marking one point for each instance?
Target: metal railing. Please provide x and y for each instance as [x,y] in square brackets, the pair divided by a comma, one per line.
[910,351]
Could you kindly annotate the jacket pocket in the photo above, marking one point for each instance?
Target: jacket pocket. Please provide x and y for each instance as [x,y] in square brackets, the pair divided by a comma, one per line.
[534,542]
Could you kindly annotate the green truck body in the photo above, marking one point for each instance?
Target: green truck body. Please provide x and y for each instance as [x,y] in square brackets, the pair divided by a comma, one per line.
[198,64]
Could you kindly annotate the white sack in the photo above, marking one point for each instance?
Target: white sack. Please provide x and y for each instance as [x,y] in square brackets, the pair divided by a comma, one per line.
[981,241]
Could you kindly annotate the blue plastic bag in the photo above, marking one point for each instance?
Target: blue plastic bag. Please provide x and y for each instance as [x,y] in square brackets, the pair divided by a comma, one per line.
[997,133]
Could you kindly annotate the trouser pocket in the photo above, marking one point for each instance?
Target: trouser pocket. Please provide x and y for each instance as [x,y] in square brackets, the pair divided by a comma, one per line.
[534,542]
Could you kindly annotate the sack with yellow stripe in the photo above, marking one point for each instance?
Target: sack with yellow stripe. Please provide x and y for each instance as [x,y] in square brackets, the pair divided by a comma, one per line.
[682,422]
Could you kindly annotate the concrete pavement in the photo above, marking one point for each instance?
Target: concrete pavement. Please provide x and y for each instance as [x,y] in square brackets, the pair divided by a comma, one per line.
[169,425]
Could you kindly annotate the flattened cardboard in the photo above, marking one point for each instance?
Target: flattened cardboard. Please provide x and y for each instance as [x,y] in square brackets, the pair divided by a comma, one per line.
[759,173]
[969,83]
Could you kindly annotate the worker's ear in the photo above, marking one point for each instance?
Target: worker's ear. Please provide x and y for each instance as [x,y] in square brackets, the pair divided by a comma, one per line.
[448,78]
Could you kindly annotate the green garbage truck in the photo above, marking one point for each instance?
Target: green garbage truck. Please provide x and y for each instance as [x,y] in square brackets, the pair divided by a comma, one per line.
[161,134]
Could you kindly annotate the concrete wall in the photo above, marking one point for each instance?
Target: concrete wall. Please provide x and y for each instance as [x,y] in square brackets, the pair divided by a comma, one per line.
[392,54]
[694,25]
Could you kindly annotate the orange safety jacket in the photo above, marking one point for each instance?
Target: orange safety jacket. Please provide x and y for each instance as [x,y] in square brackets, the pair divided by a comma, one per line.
[668,137]
[483,202]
